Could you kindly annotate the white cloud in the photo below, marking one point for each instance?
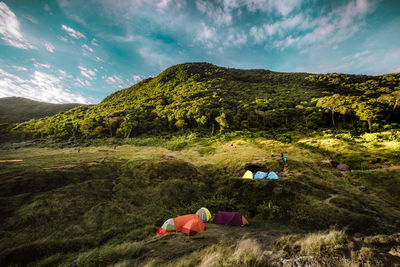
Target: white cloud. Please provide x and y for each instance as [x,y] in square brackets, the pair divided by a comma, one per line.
[41,86]
[46,7]
[88,48]
[338,25]
[110,80]
[155,58]
[288,41]
[31,19]
[94,42]
[50,47]
[279,27]
[90,74]
[118,38]
[137,78]
[206,35]
[221,15]
[97,59]
[357,55]
[10,29]
[64,74]
[283,7]
[82,83]
[63,39]
[19,68]
[118,81]
[39,65]
[164,4]
[236,39]
[73,33]
[258,34]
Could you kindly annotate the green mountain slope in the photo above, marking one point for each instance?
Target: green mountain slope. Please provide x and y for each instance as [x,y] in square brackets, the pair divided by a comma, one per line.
[19,109]
[207,98]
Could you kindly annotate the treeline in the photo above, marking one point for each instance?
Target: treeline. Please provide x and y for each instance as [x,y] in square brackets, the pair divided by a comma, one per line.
[207,98]
[371,99]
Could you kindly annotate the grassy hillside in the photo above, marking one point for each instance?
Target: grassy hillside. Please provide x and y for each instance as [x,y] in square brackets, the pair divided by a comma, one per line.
[100,206]
[208,99]
[19,109]
[182,140]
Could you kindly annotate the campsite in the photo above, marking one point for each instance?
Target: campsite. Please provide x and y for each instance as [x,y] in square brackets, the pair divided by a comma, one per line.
[184,133]
[102,206]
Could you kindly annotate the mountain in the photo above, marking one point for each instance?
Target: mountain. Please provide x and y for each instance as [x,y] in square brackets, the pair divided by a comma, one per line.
[207,98]
[19,109]
[97,202]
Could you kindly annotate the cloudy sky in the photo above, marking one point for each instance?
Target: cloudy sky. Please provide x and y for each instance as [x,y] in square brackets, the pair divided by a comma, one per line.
[81,51]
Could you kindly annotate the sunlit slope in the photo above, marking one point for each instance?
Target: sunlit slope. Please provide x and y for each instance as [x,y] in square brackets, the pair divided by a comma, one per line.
[102,204]
[209,99]
[197,96]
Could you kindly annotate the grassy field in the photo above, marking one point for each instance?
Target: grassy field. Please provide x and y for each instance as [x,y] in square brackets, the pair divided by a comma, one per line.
[100,206]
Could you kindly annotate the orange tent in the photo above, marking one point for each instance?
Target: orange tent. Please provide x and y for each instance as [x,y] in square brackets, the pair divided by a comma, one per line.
[244,221]
[193,227]
[180,221]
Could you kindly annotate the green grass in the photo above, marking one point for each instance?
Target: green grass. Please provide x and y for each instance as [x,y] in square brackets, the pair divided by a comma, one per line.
[101,206]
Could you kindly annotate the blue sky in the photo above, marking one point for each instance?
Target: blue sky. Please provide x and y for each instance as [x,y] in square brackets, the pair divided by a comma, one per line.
[81,51]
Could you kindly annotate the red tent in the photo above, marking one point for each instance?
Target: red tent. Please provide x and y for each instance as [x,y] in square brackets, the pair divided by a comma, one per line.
[180,221]
[193,227]
[161,231]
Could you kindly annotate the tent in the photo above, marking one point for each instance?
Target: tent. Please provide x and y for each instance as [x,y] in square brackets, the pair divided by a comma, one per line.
[343,167]
[193,227]
[260,175]
[169,225]
[273,176]
[204,214]
[161,231]
[230,218]
[180,221]
[248,175]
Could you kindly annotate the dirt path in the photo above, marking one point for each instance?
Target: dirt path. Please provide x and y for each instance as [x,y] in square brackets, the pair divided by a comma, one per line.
[327,201]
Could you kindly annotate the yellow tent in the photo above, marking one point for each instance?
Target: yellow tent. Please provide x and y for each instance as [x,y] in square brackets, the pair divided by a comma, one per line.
[248,175]
[204,214]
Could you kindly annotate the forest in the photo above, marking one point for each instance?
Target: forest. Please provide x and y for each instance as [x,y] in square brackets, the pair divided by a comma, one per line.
[209,99]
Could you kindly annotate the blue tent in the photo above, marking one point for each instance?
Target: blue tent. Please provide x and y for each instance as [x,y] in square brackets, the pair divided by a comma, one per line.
[273,176]
[260,175]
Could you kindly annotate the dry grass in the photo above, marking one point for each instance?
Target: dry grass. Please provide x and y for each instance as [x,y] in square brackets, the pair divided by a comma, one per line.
[244,252]
[317,243]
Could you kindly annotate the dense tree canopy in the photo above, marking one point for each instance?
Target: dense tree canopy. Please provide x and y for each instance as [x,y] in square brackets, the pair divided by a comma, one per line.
[204,97]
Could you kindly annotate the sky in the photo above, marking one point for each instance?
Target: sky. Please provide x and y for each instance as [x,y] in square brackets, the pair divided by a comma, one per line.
[72,51]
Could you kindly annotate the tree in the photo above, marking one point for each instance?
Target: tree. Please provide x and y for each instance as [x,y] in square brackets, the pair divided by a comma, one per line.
[331,103]
[223,124]
[367,111]
[109,122]
[86,126]
[127,125]
[392,99]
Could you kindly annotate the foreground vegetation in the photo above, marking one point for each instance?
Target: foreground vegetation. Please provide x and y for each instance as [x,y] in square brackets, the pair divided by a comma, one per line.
[100,206]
